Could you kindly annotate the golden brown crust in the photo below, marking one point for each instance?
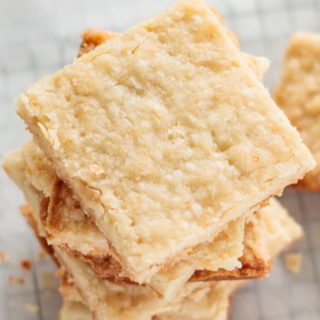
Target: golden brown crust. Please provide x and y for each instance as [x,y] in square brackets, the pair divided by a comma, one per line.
[51,210]
[91,38]
[106,267]
[54,219]
[67,287]
[310,182]
[252,267]
[27,213]
[109,269]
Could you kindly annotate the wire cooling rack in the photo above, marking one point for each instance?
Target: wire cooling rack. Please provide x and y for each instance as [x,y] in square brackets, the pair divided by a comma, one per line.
[38,37]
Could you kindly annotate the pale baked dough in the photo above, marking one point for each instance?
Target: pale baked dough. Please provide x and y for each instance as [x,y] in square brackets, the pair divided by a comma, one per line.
[130,302]
[72,310]
[165,135]
[271,230]
[298,94]
[204,301]
[93,37]
[214,306]
[125,301]
[68,227]
[109,301]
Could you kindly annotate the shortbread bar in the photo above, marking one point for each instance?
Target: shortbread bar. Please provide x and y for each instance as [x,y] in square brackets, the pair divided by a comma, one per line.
[272,230]
[67,226]
[165,135]
[204,300]
[298,94]
[276,228]
[207,301]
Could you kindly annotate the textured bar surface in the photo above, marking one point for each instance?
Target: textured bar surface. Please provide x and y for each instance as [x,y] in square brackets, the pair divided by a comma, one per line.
[298,94]
[137,128]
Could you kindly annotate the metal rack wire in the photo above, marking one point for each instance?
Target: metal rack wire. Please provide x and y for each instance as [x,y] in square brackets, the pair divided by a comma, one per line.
[37,38]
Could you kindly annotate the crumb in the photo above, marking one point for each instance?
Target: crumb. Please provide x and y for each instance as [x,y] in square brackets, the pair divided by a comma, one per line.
[48,280]
[25,264]
[42,254]
[31,308]
[3,257]
[293,261]
[16,280]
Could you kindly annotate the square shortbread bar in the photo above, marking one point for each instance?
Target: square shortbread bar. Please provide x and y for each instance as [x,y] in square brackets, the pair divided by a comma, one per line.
[164,134]
[205,300]
[298,94]
[67,226]
[205,303]
[272,230]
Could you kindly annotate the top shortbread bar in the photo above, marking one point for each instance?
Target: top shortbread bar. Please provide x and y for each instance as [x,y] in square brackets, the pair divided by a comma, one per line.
[164,134]
[298,94]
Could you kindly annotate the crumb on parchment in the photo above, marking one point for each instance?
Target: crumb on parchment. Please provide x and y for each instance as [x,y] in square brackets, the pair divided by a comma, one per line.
[3,256]
[31,308]
[293,262]
[25,264]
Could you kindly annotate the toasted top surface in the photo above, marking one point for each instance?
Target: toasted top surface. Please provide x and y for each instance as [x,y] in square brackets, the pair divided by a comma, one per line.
[92,38]
[164,134]
[298,93]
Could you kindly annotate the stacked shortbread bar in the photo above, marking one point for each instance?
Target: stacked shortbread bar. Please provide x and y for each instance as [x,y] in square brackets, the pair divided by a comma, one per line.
[151,174]
[298,94]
